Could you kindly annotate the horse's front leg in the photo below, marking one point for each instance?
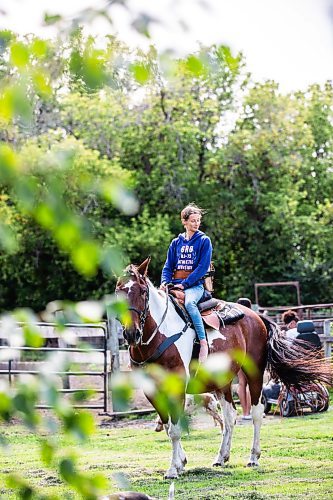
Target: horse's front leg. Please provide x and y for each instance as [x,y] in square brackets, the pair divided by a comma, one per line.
[178,459]
[257,414]
[229,418]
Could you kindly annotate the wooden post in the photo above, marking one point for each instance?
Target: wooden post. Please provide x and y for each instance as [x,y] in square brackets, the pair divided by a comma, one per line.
[113,347]
[65,378]
[327,343]
[10,372]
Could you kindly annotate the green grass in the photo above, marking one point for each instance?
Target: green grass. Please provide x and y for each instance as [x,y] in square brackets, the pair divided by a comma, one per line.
[296,462]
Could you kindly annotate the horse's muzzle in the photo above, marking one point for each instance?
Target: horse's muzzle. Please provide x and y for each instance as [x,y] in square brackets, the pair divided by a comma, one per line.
[132,336]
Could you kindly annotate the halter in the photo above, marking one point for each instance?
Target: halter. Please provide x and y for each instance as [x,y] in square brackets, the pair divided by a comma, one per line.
[143,317]
[144,313]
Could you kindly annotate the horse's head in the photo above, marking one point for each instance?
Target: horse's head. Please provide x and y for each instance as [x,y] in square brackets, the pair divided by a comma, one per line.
[133,286]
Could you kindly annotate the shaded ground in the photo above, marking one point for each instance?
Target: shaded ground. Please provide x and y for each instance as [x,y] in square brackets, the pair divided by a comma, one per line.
[200,419]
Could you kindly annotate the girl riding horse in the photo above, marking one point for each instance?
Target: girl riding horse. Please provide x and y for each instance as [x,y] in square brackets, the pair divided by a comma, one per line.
[188,260]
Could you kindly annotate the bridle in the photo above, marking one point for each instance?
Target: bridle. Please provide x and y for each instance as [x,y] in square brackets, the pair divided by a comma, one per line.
[144,314]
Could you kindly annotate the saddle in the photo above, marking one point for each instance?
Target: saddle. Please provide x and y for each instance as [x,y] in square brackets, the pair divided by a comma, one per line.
[214,312]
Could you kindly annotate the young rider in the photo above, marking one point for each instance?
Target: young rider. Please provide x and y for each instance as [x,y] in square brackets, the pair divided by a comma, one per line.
[187,262]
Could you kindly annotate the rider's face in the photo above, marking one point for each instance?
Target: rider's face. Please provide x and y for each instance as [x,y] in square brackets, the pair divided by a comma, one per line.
[192,224]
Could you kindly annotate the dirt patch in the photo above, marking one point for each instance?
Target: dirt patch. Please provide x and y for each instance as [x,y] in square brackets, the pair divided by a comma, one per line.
[199,419]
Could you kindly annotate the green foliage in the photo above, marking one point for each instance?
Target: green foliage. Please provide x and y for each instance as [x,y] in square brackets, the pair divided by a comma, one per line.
[266,181]
[273,186]
[72,212]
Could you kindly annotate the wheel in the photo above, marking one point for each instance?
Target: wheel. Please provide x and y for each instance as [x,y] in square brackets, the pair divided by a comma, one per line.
[321,400]
[267,406]
[323,403]
[287,408]
[325,407]
[326,398]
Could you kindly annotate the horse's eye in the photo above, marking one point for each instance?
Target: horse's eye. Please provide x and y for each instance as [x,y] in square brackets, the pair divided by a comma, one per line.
[142,291]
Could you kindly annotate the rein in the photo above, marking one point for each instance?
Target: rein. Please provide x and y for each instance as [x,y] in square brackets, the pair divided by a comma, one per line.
[167,342]
[143,316]
[157,327]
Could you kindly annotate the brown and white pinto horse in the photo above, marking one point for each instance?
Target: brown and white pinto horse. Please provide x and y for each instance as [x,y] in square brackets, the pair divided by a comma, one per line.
[155,320]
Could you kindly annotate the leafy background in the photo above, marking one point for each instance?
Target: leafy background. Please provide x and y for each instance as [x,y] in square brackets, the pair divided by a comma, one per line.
[82,120]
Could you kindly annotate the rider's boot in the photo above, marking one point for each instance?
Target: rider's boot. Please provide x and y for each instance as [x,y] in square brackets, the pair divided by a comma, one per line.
[203,351]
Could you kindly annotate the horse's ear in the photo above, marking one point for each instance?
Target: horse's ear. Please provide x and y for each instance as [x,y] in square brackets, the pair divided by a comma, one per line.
[143,267]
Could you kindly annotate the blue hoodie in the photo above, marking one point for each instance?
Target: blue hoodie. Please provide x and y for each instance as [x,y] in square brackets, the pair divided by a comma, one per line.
[192,255]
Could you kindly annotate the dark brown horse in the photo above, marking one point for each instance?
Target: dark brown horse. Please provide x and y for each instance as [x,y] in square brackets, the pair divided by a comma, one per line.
[159,334]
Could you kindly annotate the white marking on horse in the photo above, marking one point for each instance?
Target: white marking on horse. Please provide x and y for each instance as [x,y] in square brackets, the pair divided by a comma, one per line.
[178,459]
[175,324]
[128,285]
[213,334]
[257,413]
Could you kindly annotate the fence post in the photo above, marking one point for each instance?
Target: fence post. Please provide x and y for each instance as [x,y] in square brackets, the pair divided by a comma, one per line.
[327,333]
[59,314]
[10,372]
[113,347]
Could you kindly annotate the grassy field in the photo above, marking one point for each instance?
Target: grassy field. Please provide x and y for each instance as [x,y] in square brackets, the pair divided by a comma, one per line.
[297,461]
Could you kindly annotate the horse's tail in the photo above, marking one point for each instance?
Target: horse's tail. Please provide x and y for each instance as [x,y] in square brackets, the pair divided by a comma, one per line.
[293,362]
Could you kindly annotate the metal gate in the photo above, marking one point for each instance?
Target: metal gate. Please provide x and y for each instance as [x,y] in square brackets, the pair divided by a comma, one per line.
[85,331]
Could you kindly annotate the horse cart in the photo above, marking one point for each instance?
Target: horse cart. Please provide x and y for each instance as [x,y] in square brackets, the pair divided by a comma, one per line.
[293,401]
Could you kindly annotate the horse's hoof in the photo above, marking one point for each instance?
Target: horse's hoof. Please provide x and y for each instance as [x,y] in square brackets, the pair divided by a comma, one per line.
[216,464]
[171,475]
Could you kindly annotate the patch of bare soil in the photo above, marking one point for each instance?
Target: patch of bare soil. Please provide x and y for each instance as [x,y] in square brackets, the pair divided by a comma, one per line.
[199,419]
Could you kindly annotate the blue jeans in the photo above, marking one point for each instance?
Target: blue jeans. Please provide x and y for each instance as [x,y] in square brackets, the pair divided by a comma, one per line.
[192,297]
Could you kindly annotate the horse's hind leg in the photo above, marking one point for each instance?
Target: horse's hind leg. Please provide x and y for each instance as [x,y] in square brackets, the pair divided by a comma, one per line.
[229,418]
[257,416]
[178,459]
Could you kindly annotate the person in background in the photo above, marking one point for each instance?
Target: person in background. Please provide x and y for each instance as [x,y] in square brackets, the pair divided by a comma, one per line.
[243,386]
[188,260]
[244,395]
[290,319]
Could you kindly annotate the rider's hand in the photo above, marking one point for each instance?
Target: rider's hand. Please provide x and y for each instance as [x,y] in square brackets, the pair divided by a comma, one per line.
[163,287]
[180,286]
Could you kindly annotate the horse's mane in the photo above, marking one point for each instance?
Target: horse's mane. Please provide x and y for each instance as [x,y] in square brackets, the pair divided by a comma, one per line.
[130,270]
